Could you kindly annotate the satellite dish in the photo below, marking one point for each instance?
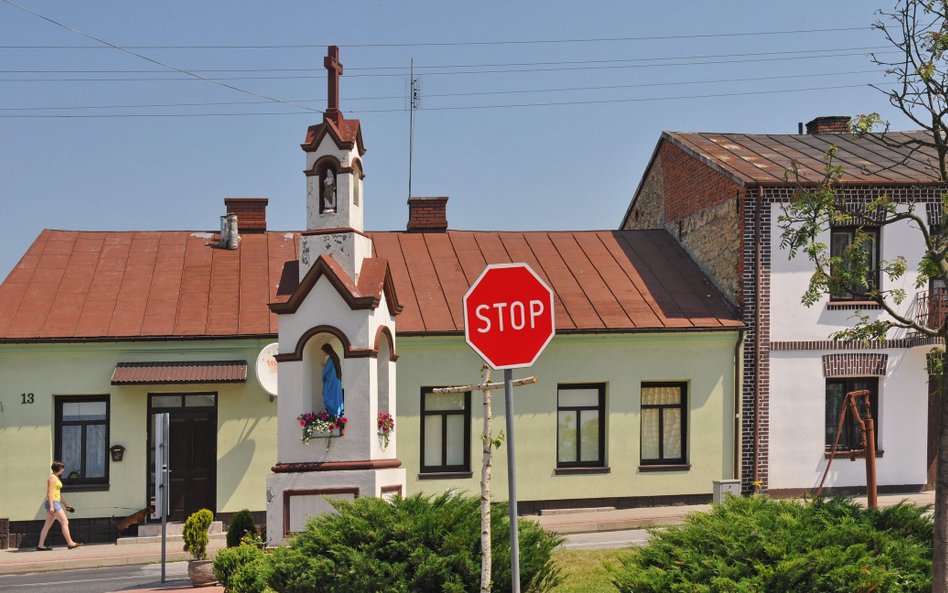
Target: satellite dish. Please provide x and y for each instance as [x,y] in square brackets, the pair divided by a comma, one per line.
[267,368]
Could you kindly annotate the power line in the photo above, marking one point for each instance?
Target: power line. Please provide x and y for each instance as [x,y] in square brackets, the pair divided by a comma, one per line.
[147,59]
[446,108]
[458,66]
[463,94]
[488,71]
[449,43]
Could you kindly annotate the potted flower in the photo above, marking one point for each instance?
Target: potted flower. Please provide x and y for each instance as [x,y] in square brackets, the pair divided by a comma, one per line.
[321,424]
[386,427]
[195,533]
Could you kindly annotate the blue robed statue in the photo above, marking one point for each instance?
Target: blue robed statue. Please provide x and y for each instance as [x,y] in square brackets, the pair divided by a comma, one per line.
[332,382]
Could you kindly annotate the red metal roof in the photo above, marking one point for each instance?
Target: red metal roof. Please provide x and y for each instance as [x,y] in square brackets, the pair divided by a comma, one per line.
[892,158]
[163,373]
[128,285]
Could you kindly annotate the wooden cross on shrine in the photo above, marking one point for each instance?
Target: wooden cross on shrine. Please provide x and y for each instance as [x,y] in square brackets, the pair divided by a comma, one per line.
[334,71]
[488,442]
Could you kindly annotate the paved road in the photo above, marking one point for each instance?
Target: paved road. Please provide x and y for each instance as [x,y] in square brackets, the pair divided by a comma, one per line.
[606,539]
[95,580]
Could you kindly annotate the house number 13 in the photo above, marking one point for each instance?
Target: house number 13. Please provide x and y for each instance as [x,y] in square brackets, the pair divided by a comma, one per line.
[26,398]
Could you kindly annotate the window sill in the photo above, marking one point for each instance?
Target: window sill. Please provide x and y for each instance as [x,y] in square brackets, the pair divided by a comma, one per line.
[852,305]
[85,487]
[445,475]
[674,467]
[569,471]
[861,454]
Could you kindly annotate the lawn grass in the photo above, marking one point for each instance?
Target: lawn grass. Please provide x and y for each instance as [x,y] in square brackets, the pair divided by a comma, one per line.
[584,571]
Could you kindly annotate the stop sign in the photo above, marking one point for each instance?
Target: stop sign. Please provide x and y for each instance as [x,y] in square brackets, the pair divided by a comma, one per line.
[508,316]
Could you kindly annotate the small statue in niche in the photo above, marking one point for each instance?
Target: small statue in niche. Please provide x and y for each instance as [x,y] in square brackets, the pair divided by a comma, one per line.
[332,382]
[329,193]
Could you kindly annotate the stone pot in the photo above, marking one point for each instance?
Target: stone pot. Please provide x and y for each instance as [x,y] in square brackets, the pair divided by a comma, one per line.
[201,573]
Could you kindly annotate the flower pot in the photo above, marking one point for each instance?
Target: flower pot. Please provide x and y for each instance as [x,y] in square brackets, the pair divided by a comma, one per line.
[201,573]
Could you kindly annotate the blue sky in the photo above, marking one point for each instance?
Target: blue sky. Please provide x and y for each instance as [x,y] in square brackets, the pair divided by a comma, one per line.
[534,115]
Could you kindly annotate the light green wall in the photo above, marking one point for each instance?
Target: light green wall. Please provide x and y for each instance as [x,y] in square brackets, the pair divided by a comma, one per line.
[246,442]
[705,361]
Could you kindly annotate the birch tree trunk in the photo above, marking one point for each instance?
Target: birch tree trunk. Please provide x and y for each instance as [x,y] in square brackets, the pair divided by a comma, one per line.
[487,442]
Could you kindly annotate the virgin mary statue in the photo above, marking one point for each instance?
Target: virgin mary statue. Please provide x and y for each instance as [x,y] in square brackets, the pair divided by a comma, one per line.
[332,382]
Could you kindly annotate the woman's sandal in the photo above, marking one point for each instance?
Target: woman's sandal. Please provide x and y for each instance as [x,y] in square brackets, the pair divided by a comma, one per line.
[43,549]
[73,546]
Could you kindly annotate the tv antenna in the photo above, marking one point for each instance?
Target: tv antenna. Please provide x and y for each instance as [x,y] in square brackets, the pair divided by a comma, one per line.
[414,102]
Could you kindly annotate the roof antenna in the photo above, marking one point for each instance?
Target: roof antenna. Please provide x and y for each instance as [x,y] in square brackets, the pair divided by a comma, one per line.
[414,97]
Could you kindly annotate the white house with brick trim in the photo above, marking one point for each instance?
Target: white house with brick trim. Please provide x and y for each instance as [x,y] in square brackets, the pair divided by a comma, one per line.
[720,195]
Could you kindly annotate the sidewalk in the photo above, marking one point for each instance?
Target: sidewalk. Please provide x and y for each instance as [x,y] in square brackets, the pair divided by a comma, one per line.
[566,521]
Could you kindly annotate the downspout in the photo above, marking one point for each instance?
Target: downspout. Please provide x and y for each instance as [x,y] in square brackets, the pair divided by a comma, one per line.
[757,341]
[737,405]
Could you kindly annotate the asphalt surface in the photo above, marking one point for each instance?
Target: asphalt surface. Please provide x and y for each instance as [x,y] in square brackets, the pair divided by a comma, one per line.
[97,580]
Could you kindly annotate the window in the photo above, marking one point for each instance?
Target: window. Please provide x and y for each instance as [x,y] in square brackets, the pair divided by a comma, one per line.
[664,423]
[580,429]
[445,431]
[836,390]
[840,240]
[82,439]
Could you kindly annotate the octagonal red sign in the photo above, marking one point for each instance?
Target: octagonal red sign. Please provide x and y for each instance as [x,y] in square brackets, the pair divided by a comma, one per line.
[508,316]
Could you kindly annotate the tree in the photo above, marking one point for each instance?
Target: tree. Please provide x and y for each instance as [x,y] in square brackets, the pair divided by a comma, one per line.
[919,30]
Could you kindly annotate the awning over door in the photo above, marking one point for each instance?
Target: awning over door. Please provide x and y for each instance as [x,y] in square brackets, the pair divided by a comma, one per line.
[158,373]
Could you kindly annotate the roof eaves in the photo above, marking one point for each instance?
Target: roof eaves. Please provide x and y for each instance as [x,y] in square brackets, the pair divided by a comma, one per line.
[744,182]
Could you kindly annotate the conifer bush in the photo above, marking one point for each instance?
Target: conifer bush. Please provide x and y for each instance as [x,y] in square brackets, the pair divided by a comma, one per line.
[417,544]
[229,560]
[242,524]
[756,544]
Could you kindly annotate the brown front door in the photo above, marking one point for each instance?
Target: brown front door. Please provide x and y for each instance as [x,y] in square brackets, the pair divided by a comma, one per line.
[193,452]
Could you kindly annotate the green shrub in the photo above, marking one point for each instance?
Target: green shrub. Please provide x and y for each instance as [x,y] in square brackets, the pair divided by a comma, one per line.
[252,577]
[416,544]
[229,560]
[242,524]
[195,533]
[757,544]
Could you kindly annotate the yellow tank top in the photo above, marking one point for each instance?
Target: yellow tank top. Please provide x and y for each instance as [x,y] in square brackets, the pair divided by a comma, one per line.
[57,487]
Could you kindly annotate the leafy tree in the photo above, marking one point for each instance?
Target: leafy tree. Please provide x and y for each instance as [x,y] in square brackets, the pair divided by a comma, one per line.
[919,30]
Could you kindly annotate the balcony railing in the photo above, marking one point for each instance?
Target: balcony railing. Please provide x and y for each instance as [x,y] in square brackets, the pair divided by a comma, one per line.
[932,308]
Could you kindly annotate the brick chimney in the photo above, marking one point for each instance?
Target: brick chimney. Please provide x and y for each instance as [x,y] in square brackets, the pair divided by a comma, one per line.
[428,214]
[251,213]
[828,124]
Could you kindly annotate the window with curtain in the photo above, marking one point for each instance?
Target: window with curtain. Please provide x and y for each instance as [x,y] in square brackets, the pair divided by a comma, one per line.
[82,439]
[664,421]
[580,430]
[836,390]
[445,431]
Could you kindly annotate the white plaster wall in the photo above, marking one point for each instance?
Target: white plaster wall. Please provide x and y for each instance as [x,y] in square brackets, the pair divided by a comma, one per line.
[791,320]
[348,249]
[798,412]
[347,213]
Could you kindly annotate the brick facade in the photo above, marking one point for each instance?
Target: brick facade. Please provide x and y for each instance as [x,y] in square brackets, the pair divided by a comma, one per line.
[701,207]
[855,365]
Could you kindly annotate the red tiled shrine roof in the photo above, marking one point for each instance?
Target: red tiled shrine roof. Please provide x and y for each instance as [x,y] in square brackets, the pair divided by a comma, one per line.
[164,373]
[74,285]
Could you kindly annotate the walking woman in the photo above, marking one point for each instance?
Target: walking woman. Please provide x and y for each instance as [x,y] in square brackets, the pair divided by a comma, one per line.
[56,508]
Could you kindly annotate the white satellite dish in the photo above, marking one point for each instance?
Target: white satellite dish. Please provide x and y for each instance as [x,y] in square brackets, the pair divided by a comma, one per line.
[267,368]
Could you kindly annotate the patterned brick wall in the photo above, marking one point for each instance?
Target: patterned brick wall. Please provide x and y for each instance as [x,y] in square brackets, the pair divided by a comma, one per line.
[854,364]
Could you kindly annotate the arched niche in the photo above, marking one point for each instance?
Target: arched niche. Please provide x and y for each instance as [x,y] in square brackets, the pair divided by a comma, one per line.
[313,356]
[321,169]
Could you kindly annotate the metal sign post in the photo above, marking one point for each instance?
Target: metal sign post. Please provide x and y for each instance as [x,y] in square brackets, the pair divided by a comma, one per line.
[512,485]
[162,432]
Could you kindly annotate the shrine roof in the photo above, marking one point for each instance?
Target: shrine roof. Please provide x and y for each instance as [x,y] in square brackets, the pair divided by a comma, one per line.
[76,285]
[893,158]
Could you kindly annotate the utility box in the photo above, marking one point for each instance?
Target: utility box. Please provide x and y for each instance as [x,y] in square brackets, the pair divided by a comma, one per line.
[720,488]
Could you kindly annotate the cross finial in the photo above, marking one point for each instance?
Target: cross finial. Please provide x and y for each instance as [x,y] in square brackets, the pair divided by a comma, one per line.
[334,71]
